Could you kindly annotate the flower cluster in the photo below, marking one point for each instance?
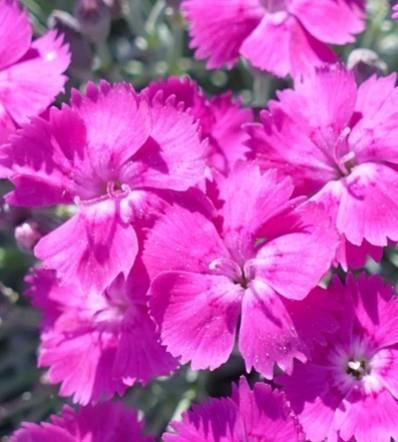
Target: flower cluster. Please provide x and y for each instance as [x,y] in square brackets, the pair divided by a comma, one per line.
[196,229]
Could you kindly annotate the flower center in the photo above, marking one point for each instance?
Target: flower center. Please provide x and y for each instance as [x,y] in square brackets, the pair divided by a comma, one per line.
[336,149]
[357,368]
[100,191]
[232,270]
[116,189]
[107,309]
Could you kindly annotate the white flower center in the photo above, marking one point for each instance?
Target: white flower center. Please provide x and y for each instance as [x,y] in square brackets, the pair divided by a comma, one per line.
[357,368]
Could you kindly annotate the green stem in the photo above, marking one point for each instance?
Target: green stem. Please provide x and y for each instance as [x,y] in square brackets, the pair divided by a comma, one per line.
[374,27]
[155,16]
[134,16]
[261,88]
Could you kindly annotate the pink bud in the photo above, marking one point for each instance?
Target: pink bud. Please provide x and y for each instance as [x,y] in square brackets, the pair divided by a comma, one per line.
[27,235]
[94,17]
[365,63]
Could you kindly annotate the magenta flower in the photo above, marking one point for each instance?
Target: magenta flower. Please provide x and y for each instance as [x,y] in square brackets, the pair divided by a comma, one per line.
[105,422]
[279,36]
[338,142]
[257,415]
[395,12]
[102,153]
[23,65]
[263,254]
[97,344]
[348,390]
[220,119]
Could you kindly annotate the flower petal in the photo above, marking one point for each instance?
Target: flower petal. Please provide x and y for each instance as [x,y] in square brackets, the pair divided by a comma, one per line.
[22,89]
[345,18]
[376,308]
[104,247]
[352,419]
[266,412]
[268,46]
[249,203]
[197,316]
[13,45]
[217,420]
[109,421]
[182,240]
[228,137]
[86,378]
[267,334]
[174,156]
[373,137]
[294,262]
[41,433]
[117,123]
[140,357]
[219,28]
[367,211]
[308,393]
[384,364]
[46,165]
[330,96]
[306,52]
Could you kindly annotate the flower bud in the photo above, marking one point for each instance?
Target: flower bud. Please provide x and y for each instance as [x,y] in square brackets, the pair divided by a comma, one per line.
[94,17]
[81,54]
[364,63]
[27,235]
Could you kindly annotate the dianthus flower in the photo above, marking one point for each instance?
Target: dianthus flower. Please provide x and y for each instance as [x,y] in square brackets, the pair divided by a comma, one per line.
[102,154]
[338,142]
[261,255]
[106,422]
[220,119]
[395,11]
[257,415]
[349,391]
[97,344]
[23,65]
[279,36]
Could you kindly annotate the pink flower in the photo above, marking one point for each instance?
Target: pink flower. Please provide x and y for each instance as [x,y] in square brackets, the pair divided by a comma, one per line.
[349,391]
[279,36]
[395,12]
[255,261]
[339,144]
[103,154]
[23,65]
[220,120]
[97,343]
[104,422]
[257,415]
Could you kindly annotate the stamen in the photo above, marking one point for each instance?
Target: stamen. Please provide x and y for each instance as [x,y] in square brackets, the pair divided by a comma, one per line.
[357,368]
[226,267]
[116,189]
[341,150]
[346,163]
[229,268]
